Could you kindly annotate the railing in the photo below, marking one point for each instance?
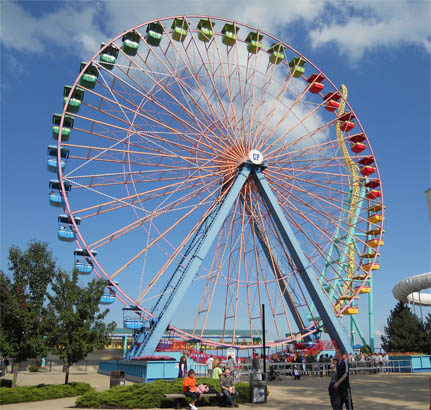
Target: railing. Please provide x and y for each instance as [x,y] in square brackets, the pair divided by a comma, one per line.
[277,369]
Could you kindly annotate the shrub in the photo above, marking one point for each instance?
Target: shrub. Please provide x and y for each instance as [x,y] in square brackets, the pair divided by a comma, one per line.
[23,394]
[150,395]
[33,368]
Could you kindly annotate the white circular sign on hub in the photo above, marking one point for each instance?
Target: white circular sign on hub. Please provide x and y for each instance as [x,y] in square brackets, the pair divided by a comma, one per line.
[255,157]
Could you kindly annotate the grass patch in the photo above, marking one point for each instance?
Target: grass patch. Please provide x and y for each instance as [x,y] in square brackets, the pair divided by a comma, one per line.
[23,394]
[150,395]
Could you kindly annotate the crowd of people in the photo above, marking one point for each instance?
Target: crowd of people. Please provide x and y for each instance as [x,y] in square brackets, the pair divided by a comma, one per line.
[338,368]
[224,374]
[320,364]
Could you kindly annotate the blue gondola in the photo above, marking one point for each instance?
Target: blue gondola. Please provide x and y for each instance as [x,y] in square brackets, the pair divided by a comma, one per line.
[55,194]
[83,262]
[52,158]
[109,295]
[131,318]
[66,231]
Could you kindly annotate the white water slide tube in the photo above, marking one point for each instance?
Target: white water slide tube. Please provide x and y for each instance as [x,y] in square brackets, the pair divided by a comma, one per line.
[408,290]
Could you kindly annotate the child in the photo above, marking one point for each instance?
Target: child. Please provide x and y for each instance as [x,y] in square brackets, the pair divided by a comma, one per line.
[296,374]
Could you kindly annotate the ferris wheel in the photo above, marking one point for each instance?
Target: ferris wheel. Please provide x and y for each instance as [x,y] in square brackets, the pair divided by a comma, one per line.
[205,168]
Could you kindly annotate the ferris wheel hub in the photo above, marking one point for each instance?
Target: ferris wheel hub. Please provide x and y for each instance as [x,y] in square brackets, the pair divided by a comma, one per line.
[255,157]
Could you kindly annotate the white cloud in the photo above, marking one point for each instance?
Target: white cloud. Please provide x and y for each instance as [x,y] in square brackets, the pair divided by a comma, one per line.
[69,27]
[354,28]
[377,24]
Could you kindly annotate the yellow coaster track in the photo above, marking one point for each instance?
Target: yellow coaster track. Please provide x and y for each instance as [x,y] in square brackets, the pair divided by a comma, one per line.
[354,182]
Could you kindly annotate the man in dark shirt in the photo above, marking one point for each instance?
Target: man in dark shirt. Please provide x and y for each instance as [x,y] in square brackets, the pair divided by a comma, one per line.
[341,387]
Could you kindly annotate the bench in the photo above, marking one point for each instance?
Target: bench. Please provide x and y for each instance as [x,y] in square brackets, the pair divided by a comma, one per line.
[179,397]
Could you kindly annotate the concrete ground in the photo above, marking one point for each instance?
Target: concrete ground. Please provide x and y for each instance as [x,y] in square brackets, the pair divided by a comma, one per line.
[375,391]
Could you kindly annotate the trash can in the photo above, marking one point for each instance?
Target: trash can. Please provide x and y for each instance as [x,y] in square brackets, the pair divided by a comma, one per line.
[258,389]
[118,378]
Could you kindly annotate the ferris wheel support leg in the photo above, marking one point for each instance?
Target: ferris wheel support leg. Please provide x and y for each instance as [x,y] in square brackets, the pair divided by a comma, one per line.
[146,343]
[371,316]
[358,329]
[310,281]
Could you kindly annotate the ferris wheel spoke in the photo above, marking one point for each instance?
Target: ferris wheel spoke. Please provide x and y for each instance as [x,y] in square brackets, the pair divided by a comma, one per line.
[191,96]
[191,190]
[273,107]
[162,235]
[342,250]
[194,75]
[313,210]
[258,106]
[300,139]
[310,184]
[257,215]
[158,212]
[140,131]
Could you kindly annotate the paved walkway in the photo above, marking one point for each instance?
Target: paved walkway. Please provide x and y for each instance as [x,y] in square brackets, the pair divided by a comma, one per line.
[377,391]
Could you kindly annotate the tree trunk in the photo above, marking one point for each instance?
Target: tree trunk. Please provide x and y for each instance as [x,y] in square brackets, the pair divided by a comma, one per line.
[66,380]
[15,373]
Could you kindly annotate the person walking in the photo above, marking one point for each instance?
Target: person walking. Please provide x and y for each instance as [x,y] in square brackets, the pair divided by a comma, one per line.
[340,384]
[209,364]
[182,371]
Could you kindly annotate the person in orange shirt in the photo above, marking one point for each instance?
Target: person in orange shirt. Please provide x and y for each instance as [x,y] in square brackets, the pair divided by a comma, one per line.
[190,390]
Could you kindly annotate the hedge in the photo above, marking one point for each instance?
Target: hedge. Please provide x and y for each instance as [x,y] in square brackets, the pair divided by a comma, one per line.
[23,394]
[150,395]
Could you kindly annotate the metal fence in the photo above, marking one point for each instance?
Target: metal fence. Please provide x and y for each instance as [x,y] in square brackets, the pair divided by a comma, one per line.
[276,370]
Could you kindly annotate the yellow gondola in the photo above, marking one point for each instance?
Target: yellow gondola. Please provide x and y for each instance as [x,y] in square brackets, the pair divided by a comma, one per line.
[376,218]
[365,289]
[374,243]
[370,266]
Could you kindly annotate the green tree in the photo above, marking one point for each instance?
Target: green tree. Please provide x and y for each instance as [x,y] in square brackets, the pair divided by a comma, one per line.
[76,322]
[22,297]
[365,349]
[404,331]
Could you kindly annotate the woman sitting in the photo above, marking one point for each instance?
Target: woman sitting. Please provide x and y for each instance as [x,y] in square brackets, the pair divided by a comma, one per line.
[190,390]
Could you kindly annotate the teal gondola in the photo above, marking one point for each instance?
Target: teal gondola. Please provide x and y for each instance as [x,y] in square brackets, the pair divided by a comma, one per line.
[66,129]
[90,75]
[75,99]
[131,43]
[154,34]
[108,57]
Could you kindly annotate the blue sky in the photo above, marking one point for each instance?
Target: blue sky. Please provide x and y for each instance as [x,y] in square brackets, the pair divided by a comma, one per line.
[379,49]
